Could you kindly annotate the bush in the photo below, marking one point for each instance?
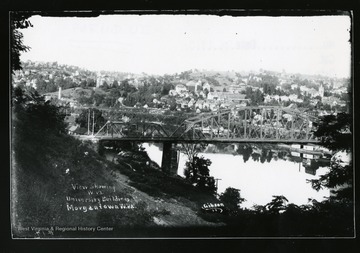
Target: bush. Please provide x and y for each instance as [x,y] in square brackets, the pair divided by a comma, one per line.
[231,198]
[197,172]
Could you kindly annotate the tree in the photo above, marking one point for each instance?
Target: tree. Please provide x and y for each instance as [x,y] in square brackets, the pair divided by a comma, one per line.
[206,92]
[91,82]
[339,179]
[167,87]
[115,83]
[197,171]
[256,97]
[34,124]
[40,114]
[126,87]
[105,85]
[231,198]
[245,150]
[264,155]
[277,204]
[335,131]
[185,75]
[83,84]
[172,104]
[82,99]
[18,21]
[98,98]
[286,86]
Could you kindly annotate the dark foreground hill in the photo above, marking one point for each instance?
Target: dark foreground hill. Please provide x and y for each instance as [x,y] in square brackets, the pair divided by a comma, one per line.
[61,185]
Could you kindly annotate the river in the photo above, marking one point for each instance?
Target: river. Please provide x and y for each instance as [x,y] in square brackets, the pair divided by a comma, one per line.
[258,174]
[259,171]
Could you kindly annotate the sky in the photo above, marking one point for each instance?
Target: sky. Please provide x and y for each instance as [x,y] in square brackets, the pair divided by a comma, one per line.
[159,44]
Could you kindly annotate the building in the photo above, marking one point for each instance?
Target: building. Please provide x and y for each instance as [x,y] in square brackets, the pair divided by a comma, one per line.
[72,130]
[294,86]
[207,86]
[180,88]
[193,86]
[236,88]
[199,104]
[213,95]
[236,97]
[99,80]
[227,96]
[172,93]
[332,101]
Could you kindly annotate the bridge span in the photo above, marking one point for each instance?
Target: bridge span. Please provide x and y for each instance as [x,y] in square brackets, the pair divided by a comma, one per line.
[242,124]
[260,124]
[181,140]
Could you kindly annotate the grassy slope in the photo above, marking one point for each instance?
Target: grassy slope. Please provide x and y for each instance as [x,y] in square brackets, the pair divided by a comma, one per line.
[40,184]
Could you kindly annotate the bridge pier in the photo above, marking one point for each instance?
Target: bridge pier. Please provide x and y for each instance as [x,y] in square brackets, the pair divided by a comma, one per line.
[169,162]
[99,147]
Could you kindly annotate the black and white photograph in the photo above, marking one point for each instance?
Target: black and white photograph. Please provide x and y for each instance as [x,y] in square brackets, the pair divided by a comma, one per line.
[173,125]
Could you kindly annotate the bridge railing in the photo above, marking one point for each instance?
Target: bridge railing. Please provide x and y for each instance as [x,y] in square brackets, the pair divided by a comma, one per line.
[125,129]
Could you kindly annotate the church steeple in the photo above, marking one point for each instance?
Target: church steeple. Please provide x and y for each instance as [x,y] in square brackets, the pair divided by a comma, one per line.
[321,91]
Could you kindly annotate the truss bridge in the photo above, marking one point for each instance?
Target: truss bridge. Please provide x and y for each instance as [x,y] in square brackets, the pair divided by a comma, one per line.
[242,124]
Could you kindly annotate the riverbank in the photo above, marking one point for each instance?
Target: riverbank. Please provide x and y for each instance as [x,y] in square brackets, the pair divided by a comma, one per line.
[134,167]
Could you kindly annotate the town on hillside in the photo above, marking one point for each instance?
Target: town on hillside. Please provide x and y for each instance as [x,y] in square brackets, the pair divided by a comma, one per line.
[192,91]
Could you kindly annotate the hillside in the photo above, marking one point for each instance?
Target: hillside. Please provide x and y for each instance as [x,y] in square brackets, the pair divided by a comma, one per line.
[59,181]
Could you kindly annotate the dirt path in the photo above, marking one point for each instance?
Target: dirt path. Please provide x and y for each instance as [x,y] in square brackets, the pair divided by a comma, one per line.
[180,215]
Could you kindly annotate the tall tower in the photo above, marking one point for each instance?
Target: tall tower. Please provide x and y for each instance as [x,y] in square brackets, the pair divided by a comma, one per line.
[321,91]
[99,80]
[59,95]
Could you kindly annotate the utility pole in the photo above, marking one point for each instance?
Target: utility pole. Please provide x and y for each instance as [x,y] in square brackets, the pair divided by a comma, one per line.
[217,182]
[93,123]
[88,132]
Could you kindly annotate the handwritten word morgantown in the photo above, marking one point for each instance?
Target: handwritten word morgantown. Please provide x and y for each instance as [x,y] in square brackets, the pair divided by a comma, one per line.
[97,202]
[99,206]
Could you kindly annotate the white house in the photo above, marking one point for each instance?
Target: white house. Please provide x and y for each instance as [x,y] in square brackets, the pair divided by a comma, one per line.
[212,95]
[180,88]
[293,97]
[207,86]
[172,92]
[304,89]
[294,86]
[284,98]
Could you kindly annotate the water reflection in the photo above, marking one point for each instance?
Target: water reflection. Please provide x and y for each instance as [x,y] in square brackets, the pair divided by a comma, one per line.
[258,170]
[311,160]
